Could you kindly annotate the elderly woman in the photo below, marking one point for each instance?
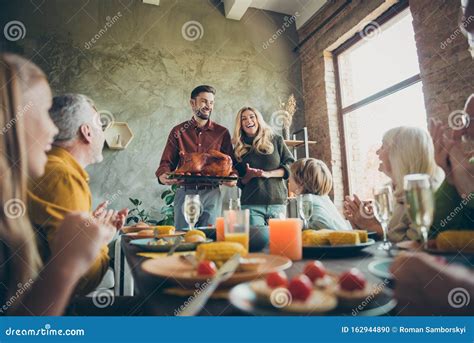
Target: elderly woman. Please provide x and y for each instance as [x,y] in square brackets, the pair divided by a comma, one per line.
[46,287]
[405,150]
[263,161]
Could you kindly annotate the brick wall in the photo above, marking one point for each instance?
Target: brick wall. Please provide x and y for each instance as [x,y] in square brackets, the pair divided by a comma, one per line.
[447,69]
[446,66]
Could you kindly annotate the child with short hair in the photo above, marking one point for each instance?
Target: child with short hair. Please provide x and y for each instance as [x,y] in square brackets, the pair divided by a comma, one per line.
[312,176]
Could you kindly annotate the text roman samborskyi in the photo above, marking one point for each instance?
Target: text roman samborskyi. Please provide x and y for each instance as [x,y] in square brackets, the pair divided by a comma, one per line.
[429,329]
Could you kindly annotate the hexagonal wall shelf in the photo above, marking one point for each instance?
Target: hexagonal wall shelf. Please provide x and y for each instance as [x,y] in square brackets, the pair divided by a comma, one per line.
[118,135]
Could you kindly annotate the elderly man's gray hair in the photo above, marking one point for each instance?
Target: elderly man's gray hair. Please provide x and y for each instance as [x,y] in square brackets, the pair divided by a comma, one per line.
[69,112]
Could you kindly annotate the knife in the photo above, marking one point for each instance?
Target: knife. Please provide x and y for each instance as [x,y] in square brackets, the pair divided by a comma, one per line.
[224,273]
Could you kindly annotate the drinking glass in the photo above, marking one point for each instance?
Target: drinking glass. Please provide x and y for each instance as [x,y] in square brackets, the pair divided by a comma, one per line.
[419,202]
[305,208]
[234,204]
[383,210]
[192,209]
[236,227]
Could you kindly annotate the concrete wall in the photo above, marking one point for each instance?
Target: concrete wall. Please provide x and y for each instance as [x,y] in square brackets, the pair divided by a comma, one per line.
[142,69]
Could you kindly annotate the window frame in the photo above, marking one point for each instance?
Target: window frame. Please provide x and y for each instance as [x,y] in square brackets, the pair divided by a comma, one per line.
[388,15]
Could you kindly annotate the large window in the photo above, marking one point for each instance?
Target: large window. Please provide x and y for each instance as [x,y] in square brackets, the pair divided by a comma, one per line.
[379,89]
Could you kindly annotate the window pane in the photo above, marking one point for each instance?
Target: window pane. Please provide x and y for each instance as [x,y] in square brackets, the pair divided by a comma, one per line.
[364,129]
[376,63]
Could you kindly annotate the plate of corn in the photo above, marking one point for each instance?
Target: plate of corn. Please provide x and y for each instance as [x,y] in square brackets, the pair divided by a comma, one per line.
[335,243]
[446,243]
[181,272]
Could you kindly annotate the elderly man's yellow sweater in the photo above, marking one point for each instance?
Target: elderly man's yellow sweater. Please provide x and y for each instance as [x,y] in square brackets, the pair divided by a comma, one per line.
[63,188]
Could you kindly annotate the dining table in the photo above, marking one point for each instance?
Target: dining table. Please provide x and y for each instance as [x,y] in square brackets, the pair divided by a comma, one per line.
[157,300]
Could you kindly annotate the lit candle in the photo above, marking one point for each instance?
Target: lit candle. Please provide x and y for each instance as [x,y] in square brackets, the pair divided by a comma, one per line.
[220,229]
[285,238]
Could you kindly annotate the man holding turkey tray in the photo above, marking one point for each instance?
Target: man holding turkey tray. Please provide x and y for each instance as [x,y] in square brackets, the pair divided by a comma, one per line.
[198,157]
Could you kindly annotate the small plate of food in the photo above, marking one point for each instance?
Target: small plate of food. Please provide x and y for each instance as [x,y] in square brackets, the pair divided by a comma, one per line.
[159,231]
[314,292]
[334,243]
[192,239]
[189,271]
[450,242]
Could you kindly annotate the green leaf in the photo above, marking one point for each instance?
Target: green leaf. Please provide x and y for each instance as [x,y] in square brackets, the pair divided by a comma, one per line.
[169,200]
[166,193]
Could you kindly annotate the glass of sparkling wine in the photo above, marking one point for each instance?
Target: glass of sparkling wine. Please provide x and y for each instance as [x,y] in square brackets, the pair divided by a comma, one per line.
[305,208]
[383,210]
[419,202]
[192,209]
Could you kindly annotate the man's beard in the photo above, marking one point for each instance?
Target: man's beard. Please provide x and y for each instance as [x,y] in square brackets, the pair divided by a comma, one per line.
[201,114]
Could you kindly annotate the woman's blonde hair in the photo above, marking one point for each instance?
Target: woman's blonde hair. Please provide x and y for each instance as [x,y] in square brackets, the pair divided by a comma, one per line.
[312,175]
[17,76]
[410,151]
[263,140]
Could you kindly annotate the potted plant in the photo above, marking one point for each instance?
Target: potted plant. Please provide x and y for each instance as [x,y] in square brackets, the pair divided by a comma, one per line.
[168,208]
[138,214]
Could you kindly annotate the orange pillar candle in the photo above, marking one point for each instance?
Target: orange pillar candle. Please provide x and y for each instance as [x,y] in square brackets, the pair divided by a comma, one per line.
[285,238]
[220,229]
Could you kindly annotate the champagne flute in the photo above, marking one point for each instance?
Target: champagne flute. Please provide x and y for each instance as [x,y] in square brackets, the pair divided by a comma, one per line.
[419,202]
[192,209]
[305,208]
[383,210]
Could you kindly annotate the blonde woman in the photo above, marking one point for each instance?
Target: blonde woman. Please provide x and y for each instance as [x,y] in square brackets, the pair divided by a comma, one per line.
[405,150]
[29,286]
[263,161]
[312,176]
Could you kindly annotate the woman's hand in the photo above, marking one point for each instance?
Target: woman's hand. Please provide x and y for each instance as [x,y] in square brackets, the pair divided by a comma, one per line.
[361,214]
[79,239]
[251,173]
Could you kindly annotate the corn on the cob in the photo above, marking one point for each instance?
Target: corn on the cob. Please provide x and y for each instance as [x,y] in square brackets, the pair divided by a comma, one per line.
[219,252]
[195,232]
[363,235]
[343,238]
[455,240]
[164,230]
[316,237]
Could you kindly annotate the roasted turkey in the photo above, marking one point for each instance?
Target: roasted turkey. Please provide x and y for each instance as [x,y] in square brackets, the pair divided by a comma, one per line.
[212,163]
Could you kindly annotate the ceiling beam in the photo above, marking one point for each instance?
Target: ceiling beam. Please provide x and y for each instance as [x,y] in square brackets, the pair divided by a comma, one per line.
[152,2]
[235,9]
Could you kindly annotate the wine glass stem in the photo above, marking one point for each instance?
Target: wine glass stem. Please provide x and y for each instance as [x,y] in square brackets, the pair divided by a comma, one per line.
[384,230]
[424,233]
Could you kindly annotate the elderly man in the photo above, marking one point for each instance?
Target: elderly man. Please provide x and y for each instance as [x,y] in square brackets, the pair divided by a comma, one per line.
[64,187]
